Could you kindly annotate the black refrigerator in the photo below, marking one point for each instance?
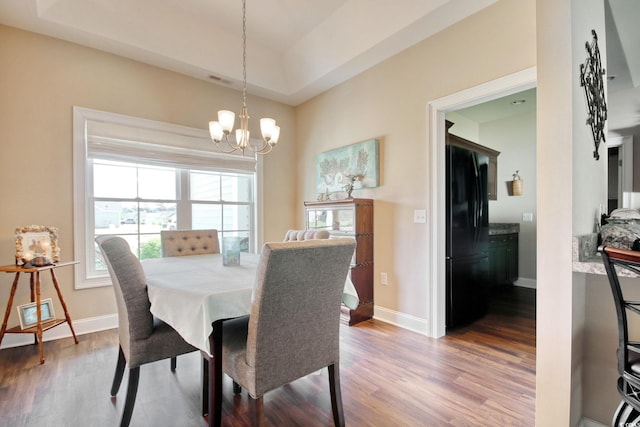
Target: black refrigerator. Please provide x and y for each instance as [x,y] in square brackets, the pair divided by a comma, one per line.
[467,236]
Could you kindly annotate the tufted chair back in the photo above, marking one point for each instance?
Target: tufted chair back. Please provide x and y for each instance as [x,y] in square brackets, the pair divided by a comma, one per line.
[189,242]
[299,235]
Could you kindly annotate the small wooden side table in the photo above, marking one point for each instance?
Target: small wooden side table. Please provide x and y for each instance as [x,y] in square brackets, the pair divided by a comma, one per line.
[35,297]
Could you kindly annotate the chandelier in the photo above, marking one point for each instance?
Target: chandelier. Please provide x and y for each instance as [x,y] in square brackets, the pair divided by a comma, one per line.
[221,129]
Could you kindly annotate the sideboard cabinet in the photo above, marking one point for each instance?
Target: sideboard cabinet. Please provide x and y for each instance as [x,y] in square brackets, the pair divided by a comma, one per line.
[350,218]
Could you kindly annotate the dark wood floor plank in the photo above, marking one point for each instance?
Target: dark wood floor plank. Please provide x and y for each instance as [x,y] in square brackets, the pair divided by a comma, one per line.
[482,374]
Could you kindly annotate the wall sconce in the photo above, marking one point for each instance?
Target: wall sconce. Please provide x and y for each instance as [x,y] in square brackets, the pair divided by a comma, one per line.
[516,185]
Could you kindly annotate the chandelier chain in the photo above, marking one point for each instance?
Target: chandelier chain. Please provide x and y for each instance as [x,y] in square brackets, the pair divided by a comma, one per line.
[244,53]
[222,129]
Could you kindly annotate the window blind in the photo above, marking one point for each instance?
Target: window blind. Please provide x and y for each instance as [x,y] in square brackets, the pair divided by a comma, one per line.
[163,145]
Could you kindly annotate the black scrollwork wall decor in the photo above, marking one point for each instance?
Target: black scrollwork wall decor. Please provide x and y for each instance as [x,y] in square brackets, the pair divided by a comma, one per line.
[591,79]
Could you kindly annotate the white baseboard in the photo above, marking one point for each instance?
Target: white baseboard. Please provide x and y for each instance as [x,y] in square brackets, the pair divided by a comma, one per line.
[525,283]
[406,321]
[80,326]
[586,422]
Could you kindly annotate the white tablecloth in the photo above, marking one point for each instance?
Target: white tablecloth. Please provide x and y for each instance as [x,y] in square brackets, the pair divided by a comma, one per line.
[191,292]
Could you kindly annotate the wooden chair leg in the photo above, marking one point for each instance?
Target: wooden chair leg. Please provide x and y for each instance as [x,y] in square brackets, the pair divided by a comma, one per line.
[236,388]
[117,377]
[173,364]
[336,395]
[132,390]
[256,407]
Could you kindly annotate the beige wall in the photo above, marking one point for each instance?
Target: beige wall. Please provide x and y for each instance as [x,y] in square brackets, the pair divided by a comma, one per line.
[41,80]
[515,139]
[390,102]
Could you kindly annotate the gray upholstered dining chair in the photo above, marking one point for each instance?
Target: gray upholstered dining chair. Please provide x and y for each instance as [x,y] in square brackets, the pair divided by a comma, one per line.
[143,338]
[294,325]
[299,235]
[189,242]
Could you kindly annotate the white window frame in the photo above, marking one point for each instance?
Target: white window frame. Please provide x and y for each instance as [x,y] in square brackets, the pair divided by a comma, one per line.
[115,133]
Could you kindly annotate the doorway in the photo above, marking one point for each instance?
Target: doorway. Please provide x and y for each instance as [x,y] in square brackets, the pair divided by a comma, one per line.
[437,109]
[620,173]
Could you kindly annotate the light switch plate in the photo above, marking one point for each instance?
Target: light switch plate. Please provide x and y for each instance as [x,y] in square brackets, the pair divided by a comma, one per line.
[419,216]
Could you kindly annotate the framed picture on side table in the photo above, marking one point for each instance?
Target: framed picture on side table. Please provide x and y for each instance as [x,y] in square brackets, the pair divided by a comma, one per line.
[37,242]
[28,313]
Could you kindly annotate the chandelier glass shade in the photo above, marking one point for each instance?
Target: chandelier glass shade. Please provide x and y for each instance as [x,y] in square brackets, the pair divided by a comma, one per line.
[221,129]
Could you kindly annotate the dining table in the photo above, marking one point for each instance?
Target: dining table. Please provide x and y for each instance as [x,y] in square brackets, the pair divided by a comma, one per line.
[194,294]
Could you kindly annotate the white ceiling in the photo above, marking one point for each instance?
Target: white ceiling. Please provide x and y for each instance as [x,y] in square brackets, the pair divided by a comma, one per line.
[296,48]
[623,65]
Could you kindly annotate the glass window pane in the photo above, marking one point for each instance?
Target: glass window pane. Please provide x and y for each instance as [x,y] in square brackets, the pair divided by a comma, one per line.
[156,183]
[237,217]
[129,217]
[107,216]
[150,246]
[114,181]
[206,217]
[133,217]
[205,186]
[157,216]
[236,188]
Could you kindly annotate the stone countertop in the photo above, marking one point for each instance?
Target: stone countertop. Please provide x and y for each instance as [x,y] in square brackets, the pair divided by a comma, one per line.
[586,258]
[496,228]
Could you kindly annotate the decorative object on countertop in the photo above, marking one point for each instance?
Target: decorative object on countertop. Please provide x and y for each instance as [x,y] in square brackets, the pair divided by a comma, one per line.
[622,229]
[230,251]
[350,184]
[336,169]
[516,185]
[591,80]
[37,245]
[220,130]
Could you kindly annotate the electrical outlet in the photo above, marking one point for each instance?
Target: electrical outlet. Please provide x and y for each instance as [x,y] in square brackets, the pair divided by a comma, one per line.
[527,216]
[419,216]
[384,280]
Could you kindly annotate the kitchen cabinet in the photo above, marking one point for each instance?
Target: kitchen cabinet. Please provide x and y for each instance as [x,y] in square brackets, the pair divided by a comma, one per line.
[350,218]
[492,169]
[503,259]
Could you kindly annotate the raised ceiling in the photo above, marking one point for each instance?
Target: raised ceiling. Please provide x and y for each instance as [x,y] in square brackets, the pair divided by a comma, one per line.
[296,48]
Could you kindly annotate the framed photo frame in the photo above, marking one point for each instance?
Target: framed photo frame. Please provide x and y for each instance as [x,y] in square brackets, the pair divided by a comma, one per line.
[34,241]
[356,165]
[28,313]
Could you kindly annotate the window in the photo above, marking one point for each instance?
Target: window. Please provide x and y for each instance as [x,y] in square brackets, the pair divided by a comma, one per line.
[131,181]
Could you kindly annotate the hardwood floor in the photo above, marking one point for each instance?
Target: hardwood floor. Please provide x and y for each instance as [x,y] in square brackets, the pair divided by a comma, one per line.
[479,375]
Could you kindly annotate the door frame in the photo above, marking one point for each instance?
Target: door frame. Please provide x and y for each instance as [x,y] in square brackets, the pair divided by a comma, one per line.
[513,83]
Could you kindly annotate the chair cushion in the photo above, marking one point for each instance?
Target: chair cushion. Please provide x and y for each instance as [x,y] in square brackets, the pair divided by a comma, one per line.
[163,343]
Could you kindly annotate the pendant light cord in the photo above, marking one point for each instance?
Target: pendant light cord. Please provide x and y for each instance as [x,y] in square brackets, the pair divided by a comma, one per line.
[244,53]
